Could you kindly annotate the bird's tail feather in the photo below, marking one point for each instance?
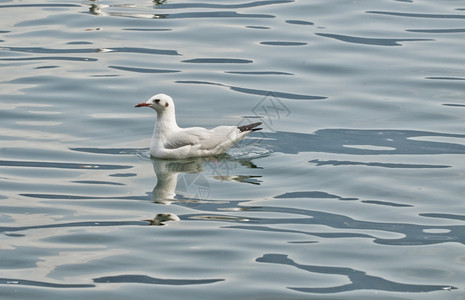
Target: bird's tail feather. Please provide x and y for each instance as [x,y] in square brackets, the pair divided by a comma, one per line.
[250,127]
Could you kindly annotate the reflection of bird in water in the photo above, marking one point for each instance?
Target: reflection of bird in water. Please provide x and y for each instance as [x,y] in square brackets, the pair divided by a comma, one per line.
[171,141]
[186,180]
[196,183]
[160,219]
[167,172]
[105,10]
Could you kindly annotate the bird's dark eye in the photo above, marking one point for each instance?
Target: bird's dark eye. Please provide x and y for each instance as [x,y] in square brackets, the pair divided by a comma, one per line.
[157,100]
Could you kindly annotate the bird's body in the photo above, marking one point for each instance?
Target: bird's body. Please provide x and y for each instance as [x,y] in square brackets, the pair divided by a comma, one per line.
[171,141]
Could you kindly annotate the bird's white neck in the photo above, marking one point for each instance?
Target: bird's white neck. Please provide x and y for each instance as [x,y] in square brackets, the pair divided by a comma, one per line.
[166,121]
[165,124]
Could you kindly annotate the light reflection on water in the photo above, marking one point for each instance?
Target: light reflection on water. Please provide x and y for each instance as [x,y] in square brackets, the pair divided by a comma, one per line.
[353,190]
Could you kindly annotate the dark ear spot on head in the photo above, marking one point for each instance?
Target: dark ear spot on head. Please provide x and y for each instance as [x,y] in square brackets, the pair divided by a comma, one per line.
[166,104]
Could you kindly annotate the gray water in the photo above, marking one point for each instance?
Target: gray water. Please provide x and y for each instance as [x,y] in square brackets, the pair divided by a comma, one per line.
[353,190]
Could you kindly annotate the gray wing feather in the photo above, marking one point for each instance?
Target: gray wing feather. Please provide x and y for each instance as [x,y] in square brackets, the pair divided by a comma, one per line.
[207,138]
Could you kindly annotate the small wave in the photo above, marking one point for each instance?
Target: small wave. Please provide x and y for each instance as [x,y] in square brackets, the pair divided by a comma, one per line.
[250,151]
[218,61]
[143,70]
[257,91]
[283,43]
[299,22]
[416,15]
[369,41]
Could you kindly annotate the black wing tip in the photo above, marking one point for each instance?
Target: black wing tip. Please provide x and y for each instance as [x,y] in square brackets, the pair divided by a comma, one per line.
[250,127]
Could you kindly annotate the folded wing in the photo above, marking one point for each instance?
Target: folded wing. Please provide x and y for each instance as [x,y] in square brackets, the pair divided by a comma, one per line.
[206,139]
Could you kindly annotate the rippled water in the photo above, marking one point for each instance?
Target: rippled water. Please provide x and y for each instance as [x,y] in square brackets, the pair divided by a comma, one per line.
[354,190]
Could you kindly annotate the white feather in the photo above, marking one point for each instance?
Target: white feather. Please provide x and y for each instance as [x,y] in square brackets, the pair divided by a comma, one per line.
[171,141]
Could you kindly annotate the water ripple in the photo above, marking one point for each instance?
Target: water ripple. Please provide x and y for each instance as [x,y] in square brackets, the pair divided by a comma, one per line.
[58,165]
[215,14]
[416,15]
[40,50]
[147,29]
[152,280]
[47,5]
[227,6]
[76,197]
[381,142]
[97,10]
[138,11]
[75,224]
[144,279]
[24,282]
[256,91]
[359,280]
[218,61]
[369,41]
[363,191]
[444,216]
[318,162]
[452,30]
[258,73]
[112,151]
[299,22]
[444,78]
[143,70]
[283,43]
[410,234]
[312,194]
[66,58]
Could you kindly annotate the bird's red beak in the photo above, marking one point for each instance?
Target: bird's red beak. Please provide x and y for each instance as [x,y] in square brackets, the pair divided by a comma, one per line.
[142,104]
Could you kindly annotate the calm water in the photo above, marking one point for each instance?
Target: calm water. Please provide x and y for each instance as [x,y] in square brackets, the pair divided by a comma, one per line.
[354,190]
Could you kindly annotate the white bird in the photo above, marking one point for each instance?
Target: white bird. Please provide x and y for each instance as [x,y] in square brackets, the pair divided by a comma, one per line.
[171,141]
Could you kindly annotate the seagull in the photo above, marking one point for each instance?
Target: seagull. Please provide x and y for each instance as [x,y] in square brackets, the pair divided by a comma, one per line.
[171,141]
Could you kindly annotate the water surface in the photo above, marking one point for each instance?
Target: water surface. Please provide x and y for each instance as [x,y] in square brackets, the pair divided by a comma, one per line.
[354,189]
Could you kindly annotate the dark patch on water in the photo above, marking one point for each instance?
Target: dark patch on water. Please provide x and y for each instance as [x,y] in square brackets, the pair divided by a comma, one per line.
[416,15]
[98,182]
[452,30]
[225,6]
[299,22]
[370,41]
[339,141]
[445,78]
[258,73]
[147,29]
[218,61]
[392,204]
[257,27]
[66,58]
[75,224]
[312,194]
[256,91]
[112,151]
[143,70]
[359,280]
[41,50]
[212,14]
[283,43]
[49,5]
[24,282]
[41,164]
[152,280]
[376,164]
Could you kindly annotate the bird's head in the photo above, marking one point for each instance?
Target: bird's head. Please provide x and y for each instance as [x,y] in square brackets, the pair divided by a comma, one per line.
[159,102]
